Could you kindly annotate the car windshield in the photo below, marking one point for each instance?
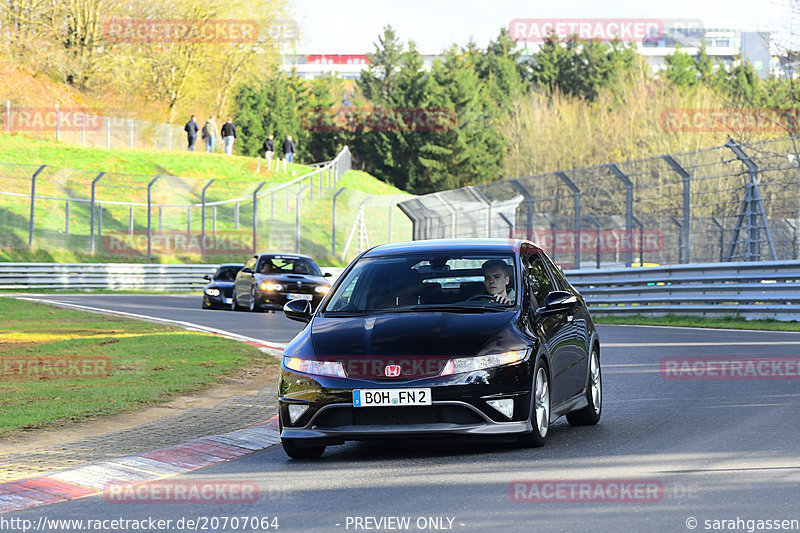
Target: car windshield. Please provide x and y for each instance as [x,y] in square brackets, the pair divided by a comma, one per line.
[452,282]
[287,265]
[227,273]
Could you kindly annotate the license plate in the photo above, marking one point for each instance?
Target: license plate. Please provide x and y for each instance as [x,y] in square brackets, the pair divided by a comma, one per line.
[228,300]
[390,397]
[292,296]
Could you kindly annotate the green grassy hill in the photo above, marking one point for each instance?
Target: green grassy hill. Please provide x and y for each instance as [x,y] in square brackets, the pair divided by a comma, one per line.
[62,227]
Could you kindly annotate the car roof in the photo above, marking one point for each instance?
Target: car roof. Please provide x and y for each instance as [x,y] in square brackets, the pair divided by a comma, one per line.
[451,245]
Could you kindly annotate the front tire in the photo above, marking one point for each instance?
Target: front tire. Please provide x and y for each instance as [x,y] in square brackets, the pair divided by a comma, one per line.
[590,415]
[301,452]
[254,305]
[540,409]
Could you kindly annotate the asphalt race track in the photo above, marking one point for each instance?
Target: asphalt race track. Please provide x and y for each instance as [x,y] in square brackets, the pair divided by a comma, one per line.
[668,455]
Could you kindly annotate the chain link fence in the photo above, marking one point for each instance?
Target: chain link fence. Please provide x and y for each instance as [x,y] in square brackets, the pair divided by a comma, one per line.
[727,203]
[88,127]
[129,217]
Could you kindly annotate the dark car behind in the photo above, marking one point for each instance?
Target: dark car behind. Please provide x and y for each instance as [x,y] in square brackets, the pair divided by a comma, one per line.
[268,281]
[219,292]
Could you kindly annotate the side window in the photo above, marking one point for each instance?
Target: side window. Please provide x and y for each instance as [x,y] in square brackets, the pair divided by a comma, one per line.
[558,276]
[539,279]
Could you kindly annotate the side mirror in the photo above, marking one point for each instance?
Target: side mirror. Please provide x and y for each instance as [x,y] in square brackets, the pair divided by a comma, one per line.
[299,310]
[558,302]
[207,277]
[327,275]
[247,270]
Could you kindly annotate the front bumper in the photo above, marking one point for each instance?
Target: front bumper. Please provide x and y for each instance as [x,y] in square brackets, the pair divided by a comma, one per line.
[216,302]
[459,406]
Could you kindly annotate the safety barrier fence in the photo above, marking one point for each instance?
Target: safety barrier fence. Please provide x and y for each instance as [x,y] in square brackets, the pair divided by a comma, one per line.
[766,289]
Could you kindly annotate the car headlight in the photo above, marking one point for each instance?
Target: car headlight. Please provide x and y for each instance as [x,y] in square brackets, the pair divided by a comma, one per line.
[320,368]
[212,291]
[270,286]
[471,364]
[322,289]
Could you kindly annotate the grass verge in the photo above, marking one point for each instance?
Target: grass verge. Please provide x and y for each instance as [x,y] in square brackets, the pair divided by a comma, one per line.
[117,364]
[701,322]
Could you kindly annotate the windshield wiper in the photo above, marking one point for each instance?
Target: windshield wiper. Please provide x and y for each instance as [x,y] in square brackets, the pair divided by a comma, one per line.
[459,308]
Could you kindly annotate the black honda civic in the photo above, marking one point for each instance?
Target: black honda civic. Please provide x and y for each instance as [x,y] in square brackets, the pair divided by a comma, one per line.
[475,338]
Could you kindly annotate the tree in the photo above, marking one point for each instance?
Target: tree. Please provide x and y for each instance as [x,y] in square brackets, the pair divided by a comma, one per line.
[681,69]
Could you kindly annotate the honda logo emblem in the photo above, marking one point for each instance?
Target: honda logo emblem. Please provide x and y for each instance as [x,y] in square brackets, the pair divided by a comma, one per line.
[392,371]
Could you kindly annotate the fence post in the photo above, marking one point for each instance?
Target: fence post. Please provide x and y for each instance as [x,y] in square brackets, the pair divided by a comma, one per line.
[255,216]
[752,208]
[66,217]
[453,215]
[188,221]
[130,220]
[628,205]
[58,124]
[8,116]
[33,204]
[597,236]
[528,206]
[685,225]
[91,209]
[333,219]
[203,217]
[214,220]
[149,216]
[130,132]
[641,240]
[169,137]
[236,215]
[108,132]
[576,213]
[160,220]
[721,239]
[297,218]
[482,198]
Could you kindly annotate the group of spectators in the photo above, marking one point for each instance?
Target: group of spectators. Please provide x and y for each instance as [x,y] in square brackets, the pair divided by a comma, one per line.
[228,134]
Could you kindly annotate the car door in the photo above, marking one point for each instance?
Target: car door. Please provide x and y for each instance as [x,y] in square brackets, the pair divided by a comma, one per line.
[579,332]
[557,329]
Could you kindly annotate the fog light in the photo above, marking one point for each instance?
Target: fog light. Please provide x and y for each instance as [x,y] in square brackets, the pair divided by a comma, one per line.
[506,407]
[296,411]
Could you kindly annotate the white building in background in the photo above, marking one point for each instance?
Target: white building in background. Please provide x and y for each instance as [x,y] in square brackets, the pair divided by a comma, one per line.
[721,44]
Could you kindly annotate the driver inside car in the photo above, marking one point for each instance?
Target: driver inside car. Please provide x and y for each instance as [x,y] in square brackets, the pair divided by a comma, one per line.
[496,280]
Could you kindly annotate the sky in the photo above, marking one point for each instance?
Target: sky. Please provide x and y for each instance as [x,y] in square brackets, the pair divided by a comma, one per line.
[352,26]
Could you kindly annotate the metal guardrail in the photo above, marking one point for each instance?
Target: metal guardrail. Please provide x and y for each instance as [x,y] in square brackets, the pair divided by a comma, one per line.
[768,289]
[111,276]
[750,290]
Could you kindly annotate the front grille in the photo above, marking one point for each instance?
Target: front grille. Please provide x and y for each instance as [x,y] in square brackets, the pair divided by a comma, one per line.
[397,416]
[304,288]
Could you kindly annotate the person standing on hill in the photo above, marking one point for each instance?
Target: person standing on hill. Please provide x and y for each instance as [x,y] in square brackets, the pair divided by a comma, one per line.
[269,151]
[191,128]
[228,135]
[288,151]
[210,133]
